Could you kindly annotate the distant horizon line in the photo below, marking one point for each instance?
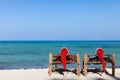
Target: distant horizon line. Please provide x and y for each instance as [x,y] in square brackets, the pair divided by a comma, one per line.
[59,40]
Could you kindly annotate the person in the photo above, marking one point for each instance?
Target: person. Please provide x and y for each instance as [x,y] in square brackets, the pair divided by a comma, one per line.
[63,54]
[100,55]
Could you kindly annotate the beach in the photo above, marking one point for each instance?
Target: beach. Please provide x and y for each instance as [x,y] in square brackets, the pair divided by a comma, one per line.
[42,74]
[67,38]
[28,60]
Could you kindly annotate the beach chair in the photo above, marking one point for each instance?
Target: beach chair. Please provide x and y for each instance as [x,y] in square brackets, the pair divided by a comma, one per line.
[94,59]
[55,59]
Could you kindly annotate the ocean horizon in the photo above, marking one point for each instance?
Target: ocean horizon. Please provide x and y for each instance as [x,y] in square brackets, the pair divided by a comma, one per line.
[35,54]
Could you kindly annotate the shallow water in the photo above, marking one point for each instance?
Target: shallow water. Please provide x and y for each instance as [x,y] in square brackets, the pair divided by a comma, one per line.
[35,54]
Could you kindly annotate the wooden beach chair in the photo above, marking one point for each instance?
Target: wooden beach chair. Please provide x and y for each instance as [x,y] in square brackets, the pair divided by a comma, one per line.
[92,59]
[55,59]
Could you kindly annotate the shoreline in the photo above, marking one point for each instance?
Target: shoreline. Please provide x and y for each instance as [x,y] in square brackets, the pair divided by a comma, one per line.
[2,68]
[42,74]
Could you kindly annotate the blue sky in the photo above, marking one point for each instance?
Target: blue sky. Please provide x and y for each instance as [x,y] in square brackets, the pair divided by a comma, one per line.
[59,19]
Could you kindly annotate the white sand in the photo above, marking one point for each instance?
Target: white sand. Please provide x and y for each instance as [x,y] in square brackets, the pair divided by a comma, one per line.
[42,74]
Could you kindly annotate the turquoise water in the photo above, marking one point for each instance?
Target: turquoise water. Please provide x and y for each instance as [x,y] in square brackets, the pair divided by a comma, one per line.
[35,54]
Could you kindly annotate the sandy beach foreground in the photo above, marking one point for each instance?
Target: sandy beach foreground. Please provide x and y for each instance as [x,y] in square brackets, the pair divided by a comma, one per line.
[42,74]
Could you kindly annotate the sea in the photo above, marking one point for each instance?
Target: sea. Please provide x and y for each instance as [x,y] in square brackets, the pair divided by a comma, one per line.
[35,54]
